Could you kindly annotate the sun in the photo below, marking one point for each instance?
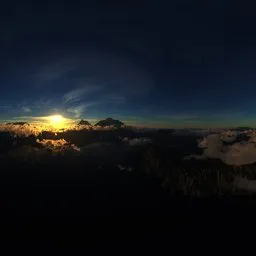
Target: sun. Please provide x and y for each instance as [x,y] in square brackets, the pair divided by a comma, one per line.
[57,121]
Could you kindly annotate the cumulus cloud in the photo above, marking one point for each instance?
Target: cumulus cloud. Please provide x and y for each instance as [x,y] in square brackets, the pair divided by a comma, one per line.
[24,130]
[224,146]
[228,136]
[58,146]
[49,148]
[91,127]
[35,129]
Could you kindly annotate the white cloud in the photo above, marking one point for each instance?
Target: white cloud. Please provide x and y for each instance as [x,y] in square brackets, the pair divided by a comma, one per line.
[58,146]
[21,130]
[237,153]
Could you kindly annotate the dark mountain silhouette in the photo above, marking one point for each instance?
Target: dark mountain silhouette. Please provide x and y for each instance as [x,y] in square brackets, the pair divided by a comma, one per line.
[110,122]
[84,122]
[242,128]
[18,123]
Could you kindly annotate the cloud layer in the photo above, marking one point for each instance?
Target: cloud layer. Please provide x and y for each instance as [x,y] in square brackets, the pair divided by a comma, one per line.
[21,130]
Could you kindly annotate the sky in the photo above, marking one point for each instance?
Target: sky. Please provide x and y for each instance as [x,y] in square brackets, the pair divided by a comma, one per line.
[148,63]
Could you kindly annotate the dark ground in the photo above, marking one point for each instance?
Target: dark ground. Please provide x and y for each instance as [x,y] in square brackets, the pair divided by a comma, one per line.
[75,206]
[108,208]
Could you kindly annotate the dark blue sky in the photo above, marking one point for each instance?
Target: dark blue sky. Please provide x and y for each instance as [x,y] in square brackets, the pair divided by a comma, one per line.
[154,63]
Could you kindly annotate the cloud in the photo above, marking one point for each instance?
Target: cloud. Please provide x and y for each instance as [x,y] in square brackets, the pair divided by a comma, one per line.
[80,93]
[90,127]
[58,146]
[21,130]
[122,168]
[79,110]
[227,148]
[93,69]
[26,109]
[49,148]
[137,141]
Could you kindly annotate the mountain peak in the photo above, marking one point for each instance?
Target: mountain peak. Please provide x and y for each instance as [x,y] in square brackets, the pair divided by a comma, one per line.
[110,122]
[84,122]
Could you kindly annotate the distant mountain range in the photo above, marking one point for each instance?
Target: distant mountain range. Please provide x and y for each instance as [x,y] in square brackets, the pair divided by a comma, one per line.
[103,123]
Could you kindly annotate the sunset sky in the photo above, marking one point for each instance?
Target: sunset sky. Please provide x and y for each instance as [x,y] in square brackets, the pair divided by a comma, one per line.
[154,63]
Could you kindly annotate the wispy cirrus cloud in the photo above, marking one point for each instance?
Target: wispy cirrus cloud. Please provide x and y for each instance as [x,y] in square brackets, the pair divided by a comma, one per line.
[80,109]
[80,93]
[97,66]
[26,109]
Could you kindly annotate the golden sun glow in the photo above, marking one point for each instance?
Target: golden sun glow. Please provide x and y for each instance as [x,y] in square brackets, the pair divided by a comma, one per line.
[57,121]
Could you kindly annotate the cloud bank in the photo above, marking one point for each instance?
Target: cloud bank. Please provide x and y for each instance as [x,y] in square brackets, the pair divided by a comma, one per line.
[231,147]
[25,130]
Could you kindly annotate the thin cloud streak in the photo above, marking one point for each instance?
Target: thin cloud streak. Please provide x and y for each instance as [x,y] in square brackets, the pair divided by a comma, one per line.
[80,93]
[26,109]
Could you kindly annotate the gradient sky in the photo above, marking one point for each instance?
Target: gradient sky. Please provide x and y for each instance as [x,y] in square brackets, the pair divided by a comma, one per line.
[151,63]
